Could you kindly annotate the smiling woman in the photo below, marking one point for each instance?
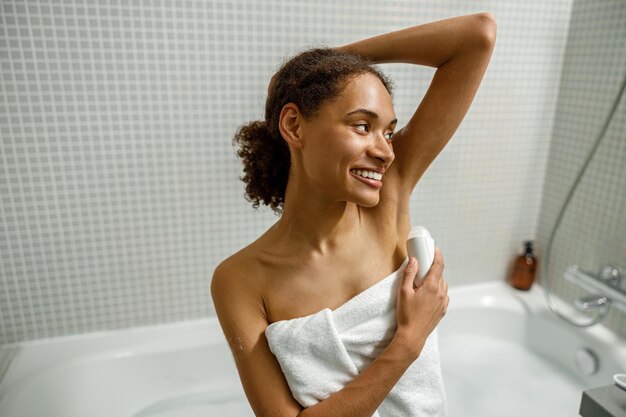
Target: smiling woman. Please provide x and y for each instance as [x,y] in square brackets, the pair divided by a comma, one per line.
[328,159]
[349,132]
[307,81]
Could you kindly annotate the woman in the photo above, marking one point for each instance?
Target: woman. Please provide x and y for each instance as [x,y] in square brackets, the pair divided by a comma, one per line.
[329,123]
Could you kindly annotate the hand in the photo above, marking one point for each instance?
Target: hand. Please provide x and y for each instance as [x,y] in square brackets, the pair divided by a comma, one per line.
[419,310]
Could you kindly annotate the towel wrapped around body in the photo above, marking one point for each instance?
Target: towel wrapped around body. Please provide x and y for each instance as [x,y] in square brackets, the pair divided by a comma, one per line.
[321,353]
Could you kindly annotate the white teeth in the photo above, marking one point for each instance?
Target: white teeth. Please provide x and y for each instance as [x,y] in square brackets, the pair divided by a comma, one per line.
[368,174]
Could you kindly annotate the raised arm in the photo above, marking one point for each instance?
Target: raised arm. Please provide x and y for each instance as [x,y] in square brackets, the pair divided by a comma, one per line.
[460,48]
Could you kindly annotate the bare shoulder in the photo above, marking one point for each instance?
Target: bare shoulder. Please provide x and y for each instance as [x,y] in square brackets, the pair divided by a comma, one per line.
[237,278]
[241,313]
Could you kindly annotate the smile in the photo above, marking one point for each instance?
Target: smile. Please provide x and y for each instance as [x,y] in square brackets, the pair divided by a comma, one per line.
[376,183]
[367,174]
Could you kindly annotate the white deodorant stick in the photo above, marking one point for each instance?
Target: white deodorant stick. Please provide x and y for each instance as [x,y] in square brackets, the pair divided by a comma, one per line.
[421,246]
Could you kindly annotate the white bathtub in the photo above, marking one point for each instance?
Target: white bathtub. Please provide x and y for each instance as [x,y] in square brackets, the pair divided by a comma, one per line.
[502,354]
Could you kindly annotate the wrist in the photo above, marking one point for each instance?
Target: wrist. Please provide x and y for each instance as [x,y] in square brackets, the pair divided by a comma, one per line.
[406,348]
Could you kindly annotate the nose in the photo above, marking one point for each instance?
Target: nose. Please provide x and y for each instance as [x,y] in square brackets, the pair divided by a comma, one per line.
[382,150]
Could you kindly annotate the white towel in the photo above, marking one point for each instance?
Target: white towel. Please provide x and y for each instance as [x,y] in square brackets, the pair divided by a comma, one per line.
[322,352]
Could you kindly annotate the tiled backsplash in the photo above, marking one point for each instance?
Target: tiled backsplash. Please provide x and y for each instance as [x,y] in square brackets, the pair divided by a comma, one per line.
[593,230]
[120,185]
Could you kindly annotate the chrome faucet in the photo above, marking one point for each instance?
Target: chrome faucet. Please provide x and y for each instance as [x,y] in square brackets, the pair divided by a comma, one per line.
[610,275]
[605,288]
[592,302]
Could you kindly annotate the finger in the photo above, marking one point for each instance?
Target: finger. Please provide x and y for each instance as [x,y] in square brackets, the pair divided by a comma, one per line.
[445,308]
[433,276]
[438,259]
[438,266]
[410,271]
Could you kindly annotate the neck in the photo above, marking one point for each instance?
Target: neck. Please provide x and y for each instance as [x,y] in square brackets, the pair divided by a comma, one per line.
[314,224]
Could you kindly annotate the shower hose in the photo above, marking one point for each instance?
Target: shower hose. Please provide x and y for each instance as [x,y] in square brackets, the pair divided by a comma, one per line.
[544,265]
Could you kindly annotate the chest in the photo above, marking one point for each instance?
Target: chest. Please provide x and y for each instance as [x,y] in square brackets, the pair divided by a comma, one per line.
[298,292]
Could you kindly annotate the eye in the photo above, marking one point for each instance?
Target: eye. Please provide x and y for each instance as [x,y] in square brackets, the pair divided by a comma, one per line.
[364,125]
[366,128]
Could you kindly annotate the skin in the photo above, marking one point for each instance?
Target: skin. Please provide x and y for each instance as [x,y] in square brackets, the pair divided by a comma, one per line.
[324,254]
[338,236]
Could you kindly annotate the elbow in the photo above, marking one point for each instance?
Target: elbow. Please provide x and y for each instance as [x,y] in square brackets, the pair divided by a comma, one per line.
[487,29]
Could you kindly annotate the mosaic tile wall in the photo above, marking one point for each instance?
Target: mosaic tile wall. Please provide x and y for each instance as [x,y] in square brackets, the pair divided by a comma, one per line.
[120,188]
[592,232]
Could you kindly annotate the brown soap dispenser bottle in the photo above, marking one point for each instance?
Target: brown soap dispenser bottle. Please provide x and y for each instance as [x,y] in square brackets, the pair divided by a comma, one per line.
[524,269]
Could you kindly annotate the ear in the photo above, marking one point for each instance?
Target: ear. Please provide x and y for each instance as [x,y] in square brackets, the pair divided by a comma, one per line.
[289,124]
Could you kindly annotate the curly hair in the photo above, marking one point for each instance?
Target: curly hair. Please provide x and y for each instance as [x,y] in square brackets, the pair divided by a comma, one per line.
[308,80]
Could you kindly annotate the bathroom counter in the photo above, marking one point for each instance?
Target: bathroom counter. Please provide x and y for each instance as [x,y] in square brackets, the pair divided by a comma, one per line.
[606,401]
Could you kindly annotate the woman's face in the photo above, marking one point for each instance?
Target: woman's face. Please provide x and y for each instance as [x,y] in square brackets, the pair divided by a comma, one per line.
[351,132]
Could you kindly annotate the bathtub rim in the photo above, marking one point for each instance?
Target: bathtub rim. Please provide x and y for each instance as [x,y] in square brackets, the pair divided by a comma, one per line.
[38,355]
